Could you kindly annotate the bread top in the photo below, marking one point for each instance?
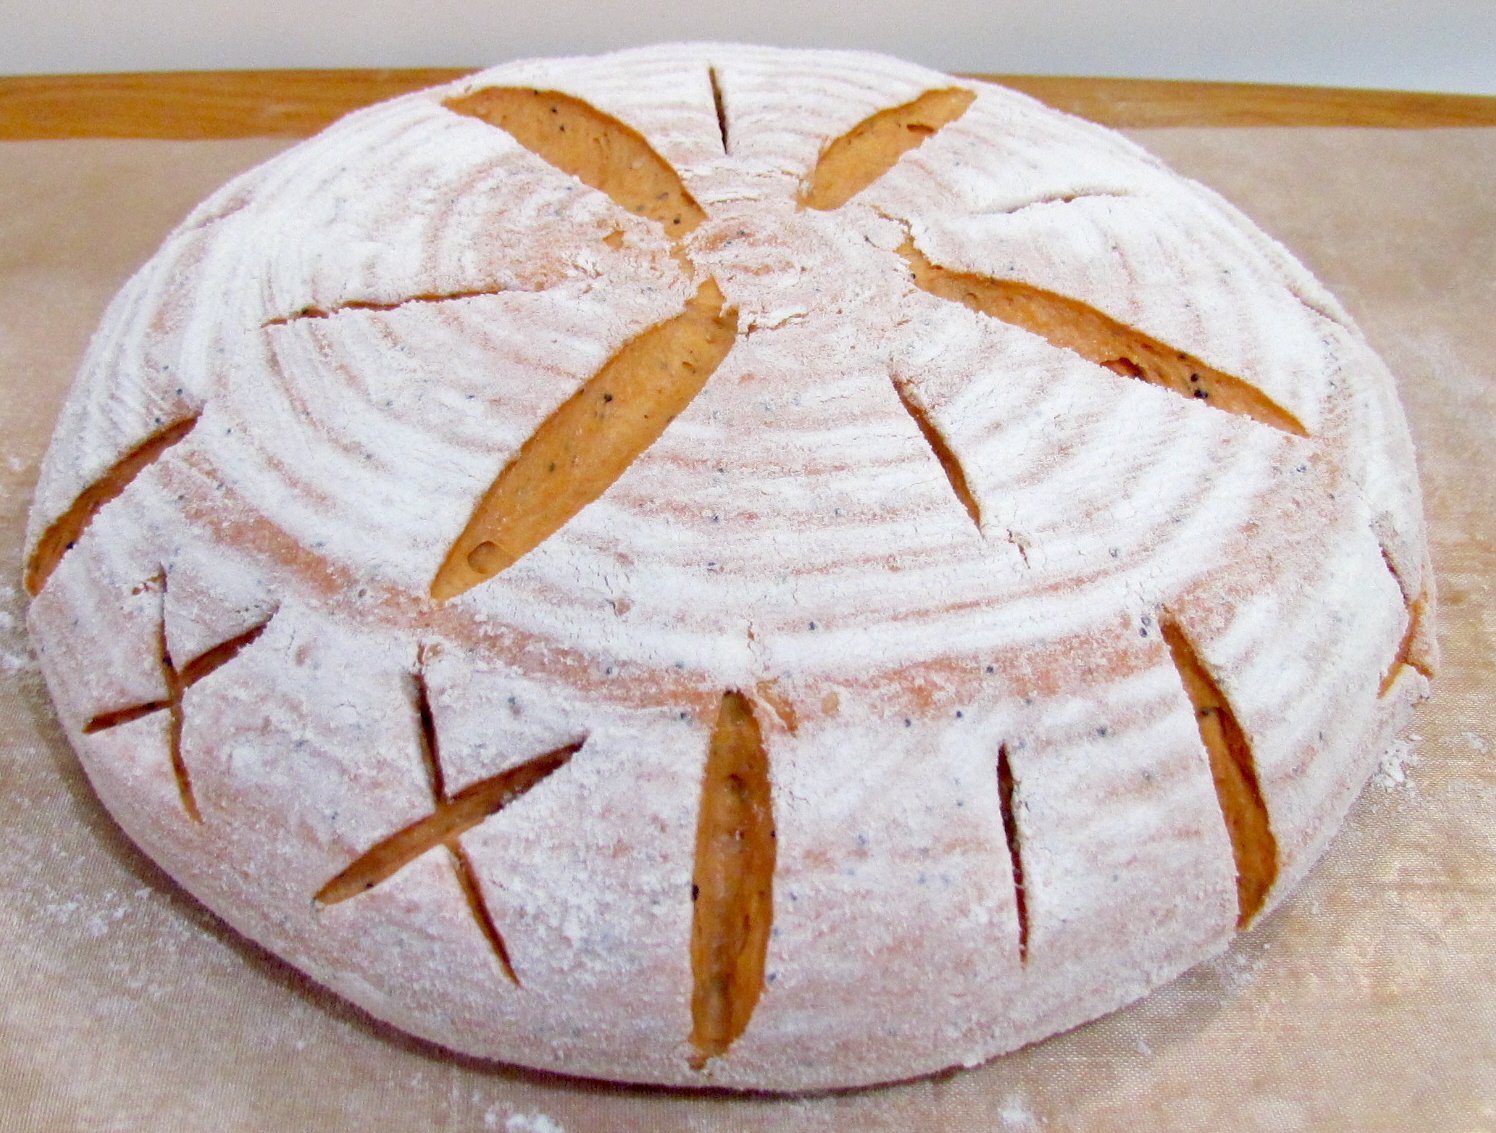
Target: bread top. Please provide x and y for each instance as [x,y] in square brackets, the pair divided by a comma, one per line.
[952,407]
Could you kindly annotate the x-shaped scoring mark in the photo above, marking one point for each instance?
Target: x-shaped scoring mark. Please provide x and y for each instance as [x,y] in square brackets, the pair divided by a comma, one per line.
[451,817]
[178,681]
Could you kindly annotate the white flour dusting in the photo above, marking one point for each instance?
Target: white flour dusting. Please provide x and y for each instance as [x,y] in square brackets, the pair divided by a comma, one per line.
[1392,772]
[15,650]
[1016,1115]
[523,1122]
[1239,965]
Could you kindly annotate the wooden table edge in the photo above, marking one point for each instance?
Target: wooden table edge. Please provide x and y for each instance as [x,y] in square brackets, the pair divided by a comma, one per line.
[195,105]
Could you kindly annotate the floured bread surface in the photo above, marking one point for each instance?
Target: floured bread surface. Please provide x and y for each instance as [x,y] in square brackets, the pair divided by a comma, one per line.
[729,567]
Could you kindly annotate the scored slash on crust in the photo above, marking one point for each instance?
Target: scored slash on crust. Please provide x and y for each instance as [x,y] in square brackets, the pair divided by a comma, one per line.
[178,681]
[595,148]
[590,440]
[1234,772]
[720,106]
[1009,813]
[372,305]
[1409,654]
[949,462]
[732,885]
[1082,329]
[63,533]
[871,148]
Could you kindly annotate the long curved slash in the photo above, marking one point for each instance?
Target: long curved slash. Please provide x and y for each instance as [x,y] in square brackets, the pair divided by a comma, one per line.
[732,886]
[65,531]
[1234,771]
[1075,326]
[852,162]
[590,440]
[595,148]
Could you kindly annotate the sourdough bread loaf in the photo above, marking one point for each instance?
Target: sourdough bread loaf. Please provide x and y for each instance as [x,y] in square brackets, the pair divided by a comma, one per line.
[723,566]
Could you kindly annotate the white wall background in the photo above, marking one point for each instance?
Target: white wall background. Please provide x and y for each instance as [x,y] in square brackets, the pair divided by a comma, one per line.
[1447,45]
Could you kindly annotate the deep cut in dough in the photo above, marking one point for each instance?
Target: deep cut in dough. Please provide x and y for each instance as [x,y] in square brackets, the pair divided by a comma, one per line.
[723,566]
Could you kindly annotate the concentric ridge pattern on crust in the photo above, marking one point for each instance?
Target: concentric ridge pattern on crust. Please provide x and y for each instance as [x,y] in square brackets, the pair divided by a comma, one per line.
[722,566]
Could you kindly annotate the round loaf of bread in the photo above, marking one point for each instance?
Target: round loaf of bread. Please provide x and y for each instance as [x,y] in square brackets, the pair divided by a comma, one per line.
[729,567]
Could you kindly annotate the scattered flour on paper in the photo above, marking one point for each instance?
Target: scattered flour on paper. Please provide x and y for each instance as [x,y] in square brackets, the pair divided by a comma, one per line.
[16,662]
[1392,772]
[15,648]
[1238,966]
[1476,742]
[522,1122]
[532,1123]
[1280,1115]
[1015,1115]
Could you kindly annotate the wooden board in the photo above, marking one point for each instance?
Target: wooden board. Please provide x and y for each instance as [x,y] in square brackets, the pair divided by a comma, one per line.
[194,105]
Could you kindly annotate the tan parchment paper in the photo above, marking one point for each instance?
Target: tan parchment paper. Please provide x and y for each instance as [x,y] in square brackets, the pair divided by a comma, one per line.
[1367,1002]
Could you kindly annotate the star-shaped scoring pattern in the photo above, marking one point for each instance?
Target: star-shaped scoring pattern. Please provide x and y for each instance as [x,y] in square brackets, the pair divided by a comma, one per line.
[590,440]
